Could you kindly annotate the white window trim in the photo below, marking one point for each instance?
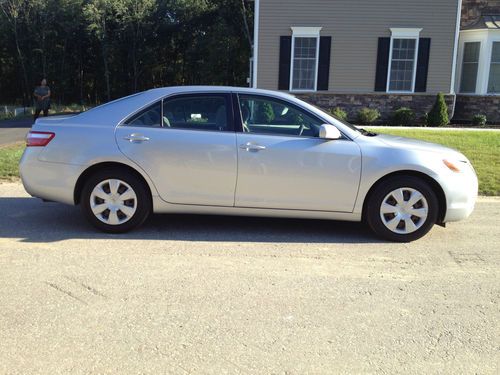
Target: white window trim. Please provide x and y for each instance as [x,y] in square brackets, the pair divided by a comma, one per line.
[486,37]
[305,32]
[488,68]
[479,70]
[403,33]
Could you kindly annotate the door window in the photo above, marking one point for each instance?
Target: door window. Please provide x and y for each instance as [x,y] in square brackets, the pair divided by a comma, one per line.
[266,115]
[197,112]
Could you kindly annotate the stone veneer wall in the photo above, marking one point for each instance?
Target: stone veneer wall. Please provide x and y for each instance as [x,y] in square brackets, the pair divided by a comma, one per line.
[473,9]
[469,105]
[385,103]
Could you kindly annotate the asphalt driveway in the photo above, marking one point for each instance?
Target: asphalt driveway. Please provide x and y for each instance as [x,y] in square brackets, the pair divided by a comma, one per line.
[188,294]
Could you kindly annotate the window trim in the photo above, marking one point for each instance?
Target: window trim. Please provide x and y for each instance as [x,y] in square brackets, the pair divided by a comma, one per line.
[478,67]
[486,37]
[305,32]
[403,33]
[490,63]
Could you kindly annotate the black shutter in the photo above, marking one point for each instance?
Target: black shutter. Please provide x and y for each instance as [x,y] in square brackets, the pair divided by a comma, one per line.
[285,56]
[382,64]
[424,46]
[325,43]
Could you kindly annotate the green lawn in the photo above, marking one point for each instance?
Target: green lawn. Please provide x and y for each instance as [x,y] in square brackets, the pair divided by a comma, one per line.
[481,147]
[9,160]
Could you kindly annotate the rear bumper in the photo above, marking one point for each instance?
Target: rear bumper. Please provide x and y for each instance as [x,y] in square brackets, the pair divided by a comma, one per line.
[50,181]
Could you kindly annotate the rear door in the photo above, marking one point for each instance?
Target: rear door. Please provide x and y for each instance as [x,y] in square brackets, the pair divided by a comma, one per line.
[187,145]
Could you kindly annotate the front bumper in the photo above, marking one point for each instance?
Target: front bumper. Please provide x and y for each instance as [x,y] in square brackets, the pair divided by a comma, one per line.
[51,181]
[461,193]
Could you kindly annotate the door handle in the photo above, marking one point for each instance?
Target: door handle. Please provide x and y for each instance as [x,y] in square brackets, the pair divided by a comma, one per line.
[136,138]
[252,147]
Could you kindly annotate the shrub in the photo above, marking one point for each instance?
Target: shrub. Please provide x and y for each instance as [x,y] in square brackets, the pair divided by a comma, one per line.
[438,116]
[339,113]
[403,116]
[367,116]
[479,120]
[425,119]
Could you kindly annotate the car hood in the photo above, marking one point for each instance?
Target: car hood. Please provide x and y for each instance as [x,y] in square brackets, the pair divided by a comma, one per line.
[417,145]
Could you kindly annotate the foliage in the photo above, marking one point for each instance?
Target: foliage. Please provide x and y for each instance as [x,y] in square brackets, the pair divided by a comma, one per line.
[265,113]
[339,113]
[479,120]
[481,148]
[367,116]
[9,161]
[403,116]
[438,116]
[95,50]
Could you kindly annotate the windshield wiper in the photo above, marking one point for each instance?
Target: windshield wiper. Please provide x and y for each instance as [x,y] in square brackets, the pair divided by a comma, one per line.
[367,133]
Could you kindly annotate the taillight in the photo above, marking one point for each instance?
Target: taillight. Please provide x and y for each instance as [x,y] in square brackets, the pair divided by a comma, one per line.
[39,139]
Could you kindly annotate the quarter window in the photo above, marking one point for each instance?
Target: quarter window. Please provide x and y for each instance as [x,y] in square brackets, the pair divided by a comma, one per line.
[305,59]
[273,116]
[494,80]
[402,72]
[470,67]
[149,117]
[201,112]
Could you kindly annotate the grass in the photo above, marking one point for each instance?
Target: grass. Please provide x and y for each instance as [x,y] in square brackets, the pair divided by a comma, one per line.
[9,161]
[481,147]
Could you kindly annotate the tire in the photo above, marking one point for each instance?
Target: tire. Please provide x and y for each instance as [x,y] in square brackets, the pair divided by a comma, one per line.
[391,214]
[115,201]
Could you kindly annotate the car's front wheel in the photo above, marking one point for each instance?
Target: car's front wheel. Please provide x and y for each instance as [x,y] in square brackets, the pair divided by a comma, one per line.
[402,209]
[115,201]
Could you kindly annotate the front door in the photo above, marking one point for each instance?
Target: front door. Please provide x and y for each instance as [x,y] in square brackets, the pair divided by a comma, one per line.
[186,144]
[283,164]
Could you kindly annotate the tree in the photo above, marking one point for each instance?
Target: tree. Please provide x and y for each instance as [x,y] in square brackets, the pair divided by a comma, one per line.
[99,14]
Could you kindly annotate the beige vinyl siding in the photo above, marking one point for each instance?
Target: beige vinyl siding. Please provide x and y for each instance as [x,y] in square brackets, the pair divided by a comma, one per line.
[355,26]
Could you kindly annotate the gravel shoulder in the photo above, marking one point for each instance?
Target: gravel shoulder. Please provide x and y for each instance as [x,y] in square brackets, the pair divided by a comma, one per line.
[194,294]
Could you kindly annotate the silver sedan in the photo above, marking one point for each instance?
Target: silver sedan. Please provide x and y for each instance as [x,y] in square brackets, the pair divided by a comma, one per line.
[239,151]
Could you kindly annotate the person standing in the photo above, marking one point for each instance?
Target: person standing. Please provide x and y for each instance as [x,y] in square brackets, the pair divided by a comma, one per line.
[42,99]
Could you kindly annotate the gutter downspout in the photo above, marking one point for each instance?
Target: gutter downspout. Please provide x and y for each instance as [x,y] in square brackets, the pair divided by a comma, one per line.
[255,42]
[455,58]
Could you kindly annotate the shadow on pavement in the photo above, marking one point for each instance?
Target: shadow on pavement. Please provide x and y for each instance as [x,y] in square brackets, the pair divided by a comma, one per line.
[34,221]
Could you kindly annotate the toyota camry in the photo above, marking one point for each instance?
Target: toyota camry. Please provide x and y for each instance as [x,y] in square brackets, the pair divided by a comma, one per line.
[240,151]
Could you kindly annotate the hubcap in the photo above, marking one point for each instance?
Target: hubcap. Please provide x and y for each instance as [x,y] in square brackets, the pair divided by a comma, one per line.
[113,202]
[404,210]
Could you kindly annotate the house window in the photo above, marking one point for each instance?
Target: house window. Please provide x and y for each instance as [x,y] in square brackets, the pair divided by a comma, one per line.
[470,67]
[304,62]
[403,60]
[403,64]
[305,56]
[494,80]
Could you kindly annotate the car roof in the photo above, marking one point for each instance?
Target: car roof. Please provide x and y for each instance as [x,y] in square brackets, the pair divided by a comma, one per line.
[114,112]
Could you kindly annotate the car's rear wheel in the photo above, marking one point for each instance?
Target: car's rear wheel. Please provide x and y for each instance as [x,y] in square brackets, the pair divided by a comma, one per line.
[402,209]
[115,201]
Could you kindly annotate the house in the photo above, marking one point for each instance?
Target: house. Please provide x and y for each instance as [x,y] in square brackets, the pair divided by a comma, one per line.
[383,54]
[478,80]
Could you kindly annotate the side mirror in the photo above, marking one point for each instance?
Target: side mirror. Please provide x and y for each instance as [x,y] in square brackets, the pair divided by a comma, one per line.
[327,131]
